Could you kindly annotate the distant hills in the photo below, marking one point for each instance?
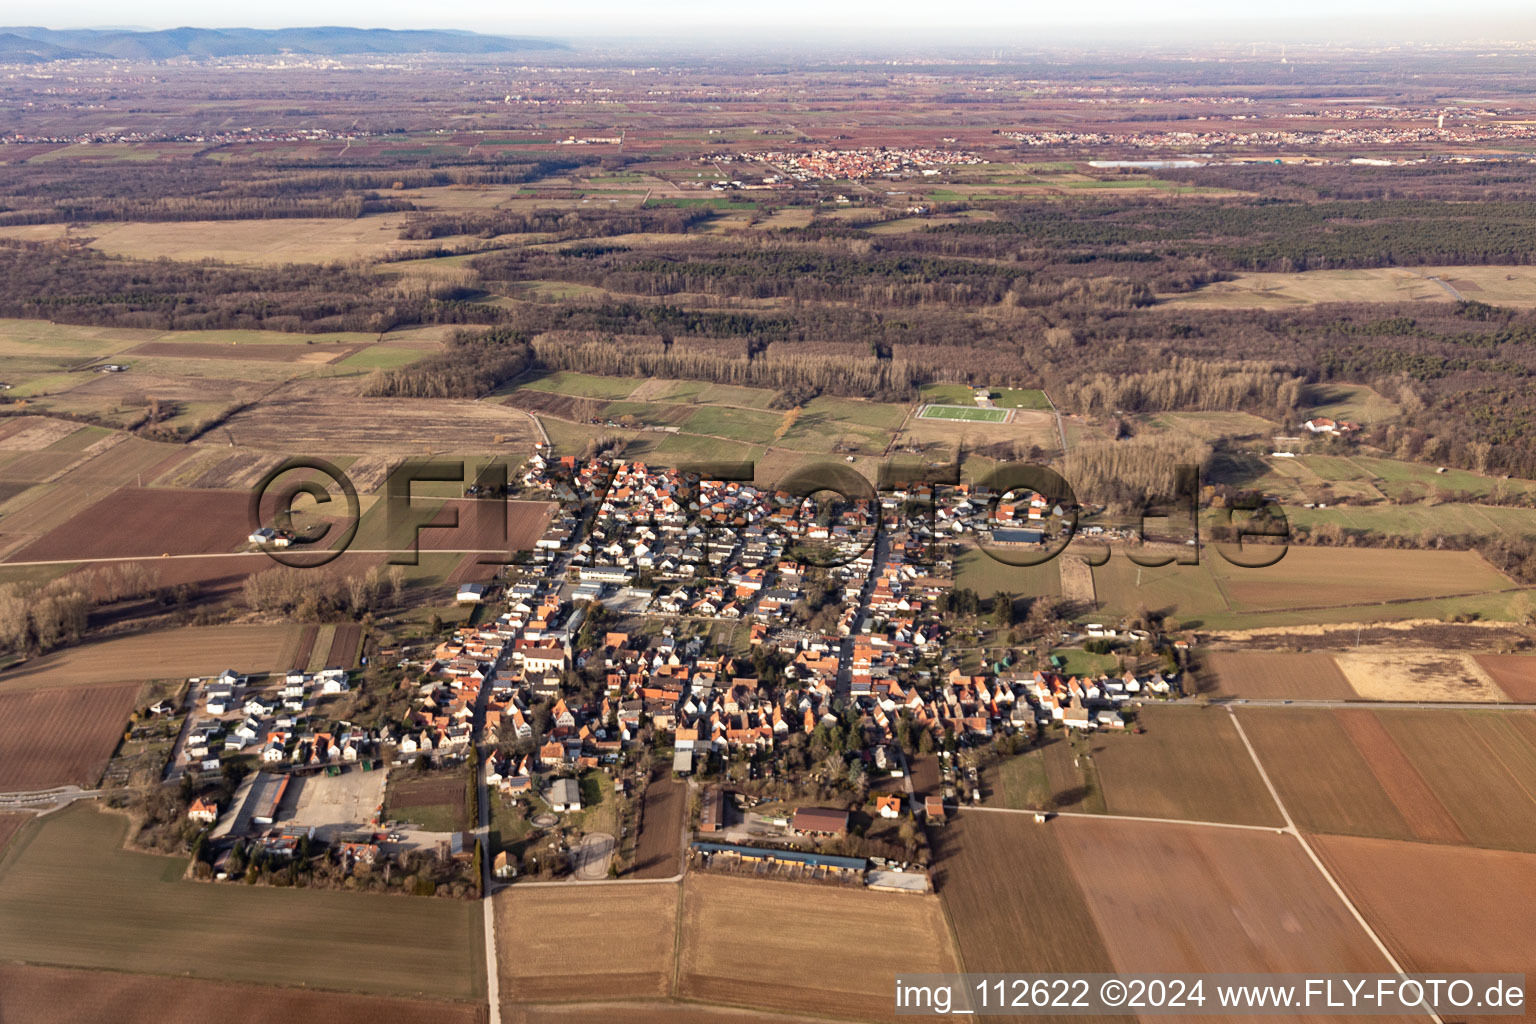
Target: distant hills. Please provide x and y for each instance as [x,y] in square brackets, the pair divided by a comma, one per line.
[28,44]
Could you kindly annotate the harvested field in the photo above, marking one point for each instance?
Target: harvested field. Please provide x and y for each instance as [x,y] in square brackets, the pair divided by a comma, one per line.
[1464,920]
[10,824]
[132,522]
[626,935]
[1188,898]
[325,416]
[61,737]
[658,846]
[1266,675]
[1418,675]
[290,240]
[316,353]
[479,530]
[167,654]
[723,962]
[1325,781]
[549,403]
[39,467]
[1076,580]
[34,433]
[474,568]
[301,656]
[640,1012]
[127,460]
[1515,674]
[236,471]
[1011,899]
[1481,766]
[345,645]
[1315,577]
[51,995]
[1190,763]
[71,896]
[1427,818]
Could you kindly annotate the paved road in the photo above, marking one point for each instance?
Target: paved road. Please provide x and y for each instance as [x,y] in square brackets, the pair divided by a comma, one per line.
[1126,817]
[487,856]
[1369,705]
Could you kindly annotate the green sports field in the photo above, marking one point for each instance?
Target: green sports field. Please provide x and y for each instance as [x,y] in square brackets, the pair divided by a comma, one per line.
[961,412]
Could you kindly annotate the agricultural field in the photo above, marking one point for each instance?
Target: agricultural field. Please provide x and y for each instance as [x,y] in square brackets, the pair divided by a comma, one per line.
[73,897]
[1274,675]
[658,850]
[1326,782]
[327,417]
[291,240]
[135,522]
[1011,898]
[1190,763]
[1503,286]
[1465,921]
[1480,765]
[61,737]
[1463,777]
[639,1011]
[168,654]
[1515,674]
[52,995]
[1195,899]
[698,415]
[624,935]
[10,825]
[1418,675]
[1309,585]
[722,962]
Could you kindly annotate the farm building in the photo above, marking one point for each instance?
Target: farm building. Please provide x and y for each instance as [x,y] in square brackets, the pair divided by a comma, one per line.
[564,795]
[1017,536]
[820,821]
[265,796]
[471,593]
[840,865]
[712,811]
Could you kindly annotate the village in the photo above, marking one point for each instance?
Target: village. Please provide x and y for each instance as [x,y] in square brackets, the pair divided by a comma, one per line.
[790,664]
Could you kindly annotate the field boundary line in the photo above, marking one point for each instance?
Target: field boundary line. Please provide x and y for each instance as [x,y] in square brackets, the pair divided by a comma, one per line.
[1290,826]
[1131,817]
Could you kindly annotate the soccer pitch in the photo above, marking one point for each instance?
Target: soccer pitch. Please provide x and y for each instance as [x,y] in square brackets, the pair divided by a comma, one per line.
[963,412]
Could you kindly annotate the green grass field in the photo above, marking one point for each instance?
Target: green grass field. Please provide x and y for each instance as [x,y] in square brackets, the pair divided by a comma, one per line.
[986,576]
[70,895]
[1309,585]
[958,412]
[583,385]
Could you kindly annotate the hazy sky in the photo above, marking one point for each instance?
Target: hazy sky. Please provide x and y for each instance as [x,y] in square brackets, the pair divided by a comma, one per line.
[1004,22]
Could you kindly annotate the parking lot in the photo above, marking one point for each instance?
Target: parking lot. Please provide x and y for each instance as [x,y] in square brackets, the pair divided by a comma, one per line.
[335,804]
